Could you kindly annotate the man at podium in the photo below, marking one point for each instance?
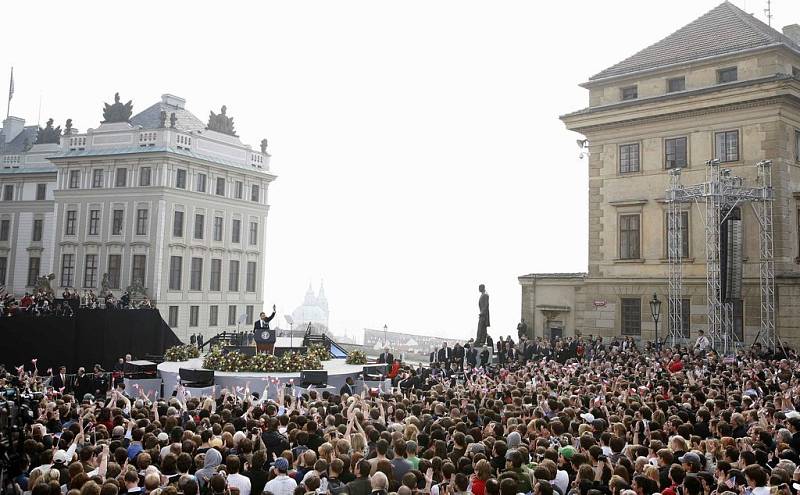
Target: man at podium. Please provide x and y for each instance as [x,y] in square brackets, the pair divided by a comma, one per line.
[263,335]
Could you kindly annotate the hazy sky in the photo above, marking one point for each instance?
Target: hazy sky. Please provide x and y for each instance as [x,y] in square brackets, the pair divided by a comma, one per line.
[417,143]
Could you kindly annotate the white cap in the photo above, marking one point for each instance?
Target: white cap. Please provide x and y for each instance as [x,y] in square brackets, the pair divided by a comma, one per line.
[588,417]
[60,456]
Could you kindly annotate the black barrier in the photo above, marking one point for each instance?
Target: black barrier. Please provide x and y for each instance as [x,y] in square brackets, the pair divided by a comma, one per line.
[90,337]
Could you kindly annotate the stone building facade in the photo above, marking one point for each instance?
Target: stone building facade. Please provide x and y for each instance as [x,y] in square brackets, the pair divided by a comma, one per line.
[159,199]
[683,101]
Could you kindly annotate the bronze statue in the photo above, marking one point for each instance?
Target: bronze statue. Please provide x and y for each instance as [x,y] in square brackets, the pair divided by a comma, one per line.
[264,146]
[117,112]
[162,119]
[483,316]
[173,119]
[48,134]
[221,122]
[68,127]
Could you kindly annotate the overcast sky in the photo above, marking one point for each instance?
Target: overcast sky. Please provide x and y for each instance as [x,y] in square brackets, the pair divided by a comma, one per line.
[417,143]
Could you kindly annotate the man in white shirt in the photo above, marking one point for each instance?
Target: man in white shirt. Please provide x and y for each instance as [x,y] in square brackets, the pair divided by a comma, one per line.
[282,484]
[234,478]
[702,343]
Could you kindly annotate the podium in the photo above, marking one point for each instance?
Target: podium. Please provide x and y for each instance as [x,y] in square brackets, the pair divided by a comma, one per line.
[265,340]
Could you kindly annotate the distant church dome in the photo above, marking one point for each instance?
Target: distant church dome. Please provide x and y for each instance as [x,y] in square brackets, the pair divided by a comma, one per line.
[314,309]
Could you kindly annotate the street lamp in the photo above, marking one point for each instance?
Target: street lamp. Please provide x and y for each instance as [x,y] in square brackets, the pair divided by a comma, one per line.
[655,311]
[385,338]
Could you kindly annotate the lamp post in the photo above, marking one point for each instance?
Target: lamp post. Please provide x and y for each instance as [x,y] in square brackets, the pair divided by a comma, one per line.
[385,337]
[655,311]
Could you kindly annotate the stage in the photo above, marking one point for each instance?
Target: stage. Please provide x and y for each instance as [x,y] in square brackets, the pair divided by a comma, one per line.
[337,369]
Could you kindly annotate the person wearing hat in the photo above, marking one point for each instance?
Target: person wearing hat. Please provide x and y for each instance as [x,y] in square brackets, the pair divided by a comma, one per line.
[691,462]
[282,483]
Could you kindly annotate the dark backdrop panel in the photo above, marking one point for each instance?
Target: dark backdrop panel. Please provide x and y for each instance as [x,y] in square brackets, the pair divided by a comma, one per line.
[91,337]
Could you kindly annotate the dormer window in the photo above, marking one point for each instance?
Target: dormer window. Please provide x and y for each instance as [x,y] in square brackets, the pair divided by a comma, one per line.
[629,93]
[729,74]
[676,84]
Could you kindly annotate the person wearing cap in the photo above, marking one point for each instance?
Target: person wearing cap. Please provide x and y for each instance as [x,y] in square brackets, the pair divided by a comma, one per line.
[282,483]
[691,462]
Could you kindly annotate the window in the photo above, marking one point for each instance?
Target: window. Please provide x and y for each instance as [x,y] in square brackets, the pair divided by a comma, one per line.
[67,270]
[41,192]
[248,311]
[121,179]
[253,233]
[74,179]
[726,146]
[138,268]
[141,222]
[94,222]
[738,319]
[5,229]
[175,267]
[37,230]
[180,179]
[69,225]
[213,315]
[232,314]
[235,234]
[177,224]
[218,229]
[254,193]
[97,177]
[90,271]
[172,319]
[631,316]
[8,192]
[675,152]
[628,158]
[199,221]
[34,263]
[250,281]
[3,269]
[196,274]
[727,75]
[144,176]
[233,276]
[216,274]
[114,270]
[194,315]
[684,234]
[686,317]
[220,189]
[629,93]
[239,189]
[629,237]
[797,145]
[116,222]
[201,182]
[676,84]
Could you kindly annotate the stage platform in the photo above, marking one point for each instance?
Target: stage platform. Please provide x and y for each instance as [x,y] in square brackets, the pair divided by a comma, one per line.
[337,369]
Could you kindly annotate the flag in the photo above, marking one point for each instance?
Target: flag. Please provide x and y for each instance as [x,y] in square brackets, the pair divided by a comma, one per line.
[11,85]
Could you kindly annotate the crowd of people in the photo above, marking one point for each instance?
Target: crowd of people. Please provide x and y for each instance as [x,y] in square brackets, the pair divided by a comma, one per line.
[612,419]
[43,303]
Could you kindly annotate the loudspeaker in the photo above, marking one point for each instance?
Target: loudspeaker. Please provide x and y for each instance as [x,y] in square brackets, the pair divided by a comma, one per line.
[196,378]
[375,371]
[314,377]
[731,256]
[139,369]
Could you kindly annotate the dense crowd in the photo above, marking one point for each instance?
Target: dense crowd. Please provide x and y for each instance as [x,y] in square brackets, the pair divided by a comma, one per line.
[611,420]
[44,303]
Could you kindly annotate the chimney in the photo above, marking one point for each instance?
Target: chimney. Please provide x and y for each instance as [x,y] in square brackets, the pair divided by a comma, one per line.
[12,127]
[792,31]
[172,100]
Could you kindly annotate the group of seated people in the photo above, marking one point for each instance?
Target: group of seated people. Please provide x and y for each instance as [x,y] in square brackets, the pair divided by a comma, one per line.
[43,302]
[620,420]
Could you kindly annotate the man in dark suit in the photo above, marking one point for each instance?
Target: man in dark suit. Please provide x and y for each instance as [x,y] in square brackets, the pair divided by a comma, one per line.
[59,380]
[386,357]
[266,344]
[458,356]
[444,356]
[349,387]
[471,355]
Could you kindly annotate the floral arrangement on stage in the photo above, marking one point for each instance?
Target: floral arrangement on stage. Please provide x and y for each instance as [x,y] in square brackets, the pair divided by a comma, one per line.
[181,353]
[356,357]
[261,363]
[319,351]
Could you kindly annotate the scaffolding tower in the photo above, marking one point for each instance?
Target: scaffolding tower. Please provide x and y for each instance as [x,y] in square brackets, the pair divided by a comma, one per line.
[716,199]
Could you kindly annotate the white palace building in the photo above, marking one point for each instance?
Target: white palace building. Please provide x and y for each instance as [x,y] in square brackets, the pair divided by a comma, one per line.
[158,199]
